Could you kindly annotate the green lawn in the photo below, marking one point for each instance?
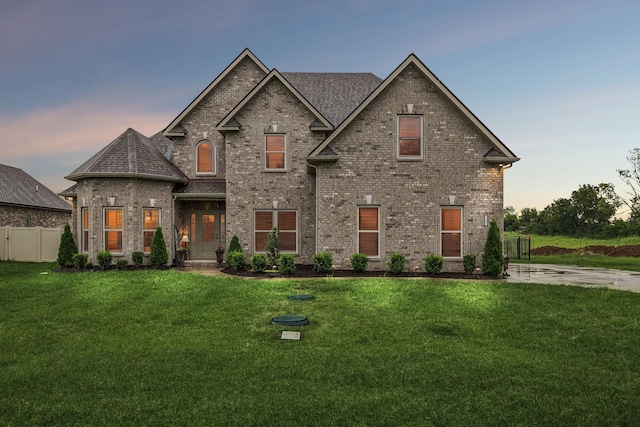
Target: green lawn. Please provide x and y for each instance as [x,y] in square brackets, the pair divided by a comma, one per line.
[170,348]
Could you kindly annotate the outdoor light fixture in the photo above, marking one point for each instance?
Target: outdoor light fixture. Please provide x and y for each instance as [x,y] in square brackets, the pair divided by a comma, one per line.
[486,220]
[185,241]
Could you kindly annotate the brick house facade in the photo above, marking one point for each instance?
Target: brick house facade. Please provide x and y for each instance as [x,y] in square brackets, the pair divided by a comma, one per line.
[338,162]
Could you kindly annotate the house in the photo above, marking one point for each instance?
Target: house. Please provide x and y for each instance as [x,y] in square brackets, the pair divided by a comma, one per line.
[25,202]
[339,162]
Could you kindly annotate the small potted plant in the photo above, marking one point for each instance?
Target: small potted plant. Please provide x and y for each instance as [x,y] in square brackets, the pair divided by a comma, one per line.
[219,255]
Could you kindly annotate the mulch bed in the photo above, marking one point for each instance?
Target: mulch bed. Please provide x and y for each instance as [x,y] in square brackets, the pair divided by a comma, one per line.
[307,271]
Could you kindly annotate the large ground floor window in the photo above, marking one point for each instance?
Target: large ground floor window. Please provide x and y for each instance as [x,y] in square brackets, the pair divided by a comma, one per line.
[113,230]
[369,230]
[285,221]
[151,220]
[451,232]
[85,230]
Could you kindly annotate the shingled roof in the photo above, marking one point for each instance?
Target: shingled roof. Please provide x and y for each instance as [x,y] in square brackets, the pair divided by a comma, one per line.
[335,95]
[19,188]
[130,155]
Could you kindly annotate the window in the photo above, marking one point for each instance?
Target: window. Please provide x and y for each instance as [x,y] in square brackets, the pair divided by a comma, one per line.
[205,158]
[369,231]
[84,244]
[451,230]
[26,221]
[287,224]
[151,219]
[113,230]
[409,137]
[275,152]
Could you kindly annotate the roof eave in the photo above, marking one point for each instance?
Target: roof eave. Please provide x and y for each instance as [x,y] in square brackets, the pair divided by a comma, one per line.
[80,176]
[321,158]
[200,196]
[501,160]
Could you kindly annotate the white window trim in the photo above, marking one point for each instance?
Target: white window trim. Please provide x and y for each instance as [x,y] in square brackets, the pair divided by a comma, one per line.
[368,231]
[105,229]
[460,208]
[274,222]
[410,158]
[267,169]
[145,230]
[213,158]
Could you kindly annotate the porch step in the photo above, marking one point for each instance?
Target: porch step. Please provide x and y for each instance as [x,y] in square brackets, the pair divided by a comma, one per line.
[201,263]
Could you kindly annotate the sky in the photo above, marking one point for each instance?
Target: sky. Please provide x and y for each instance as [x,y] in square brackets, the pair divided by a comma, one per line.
[557,81]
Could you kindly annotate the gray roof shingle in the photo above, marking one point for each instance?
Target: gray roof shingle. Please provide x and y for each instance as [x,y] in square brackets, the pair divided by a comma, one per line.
[130,154]
[19,188]
[335,95]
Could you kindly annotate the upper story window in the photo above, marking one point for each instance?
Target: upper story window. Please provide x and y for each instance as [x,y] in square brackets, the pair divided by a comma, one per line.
[410,137]
[275,147]
[205,158]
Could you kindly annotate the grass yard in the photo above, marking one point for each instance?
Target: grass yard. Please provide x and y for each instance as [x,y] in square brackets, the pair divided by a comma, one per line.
[171,348]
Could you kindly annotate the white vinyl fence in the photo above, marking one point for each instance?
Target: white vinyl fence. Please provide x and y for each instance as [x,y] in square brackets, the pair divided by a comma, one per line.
[33,244]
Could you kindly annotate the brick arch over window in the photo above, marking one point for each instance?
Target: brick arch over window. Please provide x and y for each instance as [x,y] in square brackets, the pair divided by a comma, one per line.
[205,158]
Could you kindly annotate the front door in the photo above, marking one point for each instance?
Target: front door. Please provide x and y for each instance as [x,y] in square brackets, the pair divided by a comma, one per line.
[205,231]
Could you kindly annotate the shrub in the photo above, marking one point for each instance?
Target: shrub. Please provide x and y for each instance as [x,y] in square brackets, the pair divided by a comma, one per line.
[88,265]
[104,259]
[67,248]
[121,263]
[287,264]
[323,262]
[234,245]
[492,258]
[80,260]
[272,247]
[138,258]
[397,263]
[237,260]
[359,262]
[433,264]
[469,263]
[158,255]
[258,262]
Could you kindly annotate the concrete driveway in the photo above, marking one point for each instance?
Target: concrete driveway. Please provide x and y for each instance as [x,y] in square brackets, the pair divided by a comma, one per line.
[576,276]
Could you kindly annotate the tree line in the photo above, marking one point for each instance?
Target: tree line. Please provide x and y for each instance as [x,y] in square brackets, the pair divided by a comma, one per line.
[590,211]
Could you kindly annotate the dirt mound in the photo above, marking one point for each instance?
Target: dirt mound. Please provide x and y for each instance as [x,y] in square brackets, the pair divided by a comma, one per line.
[616,251]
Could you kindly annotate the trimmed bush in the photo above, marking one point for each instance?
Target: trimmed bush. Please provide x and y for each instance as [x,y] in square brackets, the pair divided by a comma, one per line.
[234,245]
[258,263]
[237,260]
[272,247]
[121,263]
[137,257]
[323,262]
[287,264]
[433,264]
[67,248]
[359,262]
[80,260]
[469,263]
[397,263]
[88,265]
[104,259]
[158,255]
[492,258]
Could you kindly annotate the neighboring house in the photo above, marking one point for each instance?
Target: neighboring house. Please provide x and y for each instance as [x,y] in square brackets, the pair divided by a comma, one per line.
[338,162]
[24,202]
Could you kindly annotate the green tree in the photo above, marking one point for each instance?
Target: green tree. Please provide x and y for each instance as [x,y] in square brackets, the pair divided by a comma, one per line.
[511,222]
[631,177]
[234,245]
[272,247]
[158,255]
[492,258]
[594,207]
[529,220]
[67,248]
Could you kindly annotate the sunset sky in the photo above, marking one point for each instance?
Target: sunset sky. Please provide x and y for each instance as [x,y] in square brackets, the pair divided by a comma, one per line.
[557,81]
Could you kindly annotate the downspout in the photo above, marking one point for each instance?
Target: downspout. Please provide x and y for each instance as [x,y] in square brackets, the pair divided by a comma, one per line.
[173,229]
[316,207]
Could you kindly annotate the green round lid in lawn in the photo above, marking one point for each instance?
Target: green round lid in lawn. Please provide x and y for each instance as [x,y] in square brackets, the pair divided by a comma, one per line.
[301,297]
[290,320]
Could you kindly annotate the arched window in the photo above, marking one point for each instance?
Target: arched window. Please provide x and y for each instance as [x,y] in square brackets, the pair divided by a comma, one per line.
[205,158]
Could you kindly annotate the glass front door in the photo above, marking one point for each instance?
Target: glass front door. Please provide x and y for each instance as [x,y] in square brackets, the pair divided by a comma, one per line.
[206,234]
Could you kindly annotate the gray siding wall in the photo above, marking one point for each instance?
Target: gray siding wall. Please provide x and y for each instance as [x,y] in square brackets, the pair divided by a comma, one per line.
[250,187]
[410,193]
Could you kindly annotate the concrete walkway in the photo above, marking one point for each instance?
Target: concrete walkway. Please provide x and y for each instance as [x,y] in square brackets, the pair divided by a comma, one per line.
[575,276]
